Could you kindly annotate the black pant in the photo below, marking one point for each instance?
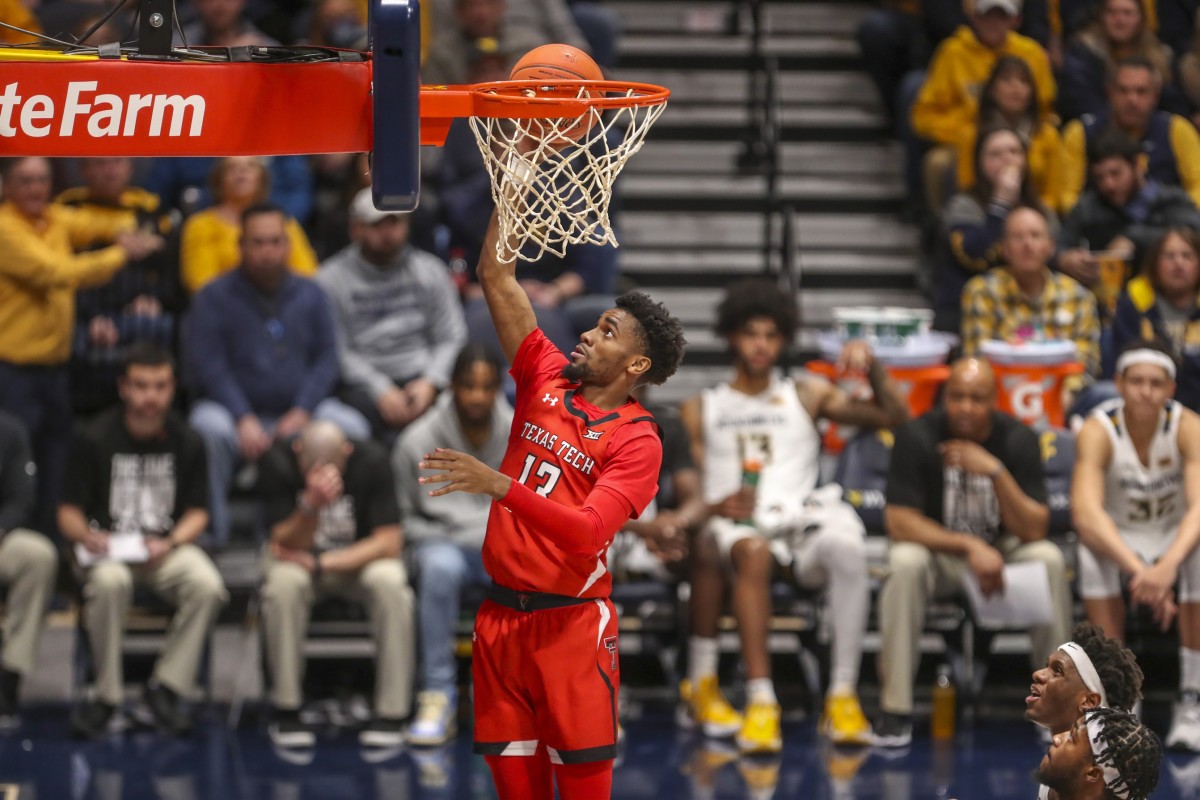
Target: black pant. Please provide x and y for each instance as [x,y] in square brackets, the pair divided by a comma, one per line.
[40,397]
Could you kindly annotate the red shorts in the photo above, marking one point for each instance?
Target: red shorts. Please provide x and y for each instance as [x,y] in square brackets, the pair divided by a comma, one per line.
[547,677]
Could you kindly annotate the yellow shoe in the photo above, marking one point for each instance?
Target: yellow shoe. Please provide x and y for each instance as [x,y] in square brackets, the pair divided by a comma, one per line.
[707,709]
[844,722]
[760,732]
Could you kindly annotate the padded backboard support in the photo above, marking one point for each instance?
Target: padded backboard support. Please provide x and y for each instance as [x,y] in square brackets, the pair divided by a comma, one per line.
[395,27]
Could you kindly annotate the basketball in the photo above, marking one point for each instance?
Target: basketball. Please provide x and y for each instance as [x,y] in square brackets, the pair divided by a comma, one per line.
[560,62]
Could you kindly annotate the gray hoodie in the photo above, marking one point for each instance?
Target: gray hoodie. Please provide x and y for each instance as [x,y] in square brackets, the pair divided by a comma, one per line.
[393,324]
[460,517]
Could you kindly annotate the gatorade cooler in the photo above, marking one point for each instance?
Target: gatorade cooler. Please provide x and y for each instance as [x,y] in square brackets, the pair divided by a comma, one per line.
[1030,377]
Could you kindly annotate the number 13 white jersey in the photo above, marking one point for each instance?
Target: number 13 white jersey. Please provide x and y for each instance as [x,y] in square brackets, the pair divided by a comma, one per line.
[772,428]
[1146,501]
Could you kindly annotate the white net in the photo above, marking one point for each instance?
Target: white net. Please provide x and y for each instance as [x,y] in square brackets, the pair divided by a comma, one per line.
[552,178]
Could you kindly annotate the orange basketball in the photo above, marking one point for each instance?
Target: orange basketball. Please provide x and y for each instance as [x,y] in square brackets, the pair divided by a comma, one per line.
[561,62]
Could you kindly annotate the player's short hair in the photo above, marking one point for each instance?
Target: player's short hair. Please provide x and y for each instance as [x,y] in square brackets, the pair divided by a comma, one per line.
[1129,747]
[661,335]
[146,354]
[1115,664]
[757,297]
[474,353]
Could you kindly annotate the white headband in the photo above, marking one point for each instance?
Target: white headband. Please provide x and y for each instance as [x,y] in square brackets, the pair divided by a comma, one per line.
[1113,780]
[1144,356]
[1087,670]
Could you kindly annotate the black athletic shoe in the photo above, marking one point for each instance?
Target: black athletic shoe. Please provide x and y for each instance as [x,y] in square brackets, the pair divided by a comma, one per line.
[892,730]
[287,732]
[91,720]
[382,732]
[166,711]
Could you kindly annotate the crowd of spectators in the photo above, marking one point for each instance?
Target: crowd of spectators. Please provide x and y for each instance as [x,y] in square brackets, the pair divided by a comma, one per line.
[185,334]
[1082,112]
[312,335]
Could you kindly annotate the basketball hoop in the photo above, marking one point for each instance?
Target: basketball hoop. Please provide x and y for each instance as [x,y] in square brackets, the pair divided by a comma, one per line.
[553,152]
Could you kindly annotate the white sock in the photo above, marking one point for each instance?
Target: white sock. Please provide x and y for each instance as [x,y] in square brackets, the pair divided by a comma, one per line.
[702,658]
[841,687]
[1189,669]
[761,690]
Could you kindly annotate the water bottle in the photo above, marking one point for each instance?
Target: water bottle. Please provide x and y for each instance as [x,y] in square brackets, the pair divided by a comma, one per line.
[942,722]
[751,468]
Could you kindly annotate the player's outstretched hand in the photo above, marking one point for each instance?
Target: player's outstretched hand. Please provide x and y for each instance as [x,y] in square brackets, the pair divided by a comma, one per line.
[462,473]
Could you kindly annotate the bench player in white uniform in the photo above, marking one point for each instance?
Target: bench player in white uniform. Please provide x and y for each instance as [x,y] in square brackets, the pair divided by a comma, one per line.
[1136,503]
[787,523]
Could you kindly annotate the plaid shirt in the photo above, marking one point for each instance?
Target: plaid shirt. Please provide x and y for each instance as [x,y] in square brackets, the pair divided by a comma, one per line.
[994,308]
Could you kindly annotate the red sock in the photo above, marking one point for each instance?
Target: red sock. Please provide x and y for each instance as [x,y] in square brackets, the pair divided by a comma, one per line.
[591,781]
[522,777]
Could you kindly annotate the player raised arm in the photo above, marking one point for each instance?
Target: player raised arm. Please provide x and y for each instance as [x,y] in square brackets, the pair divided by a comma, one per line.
[512,313]
[1093,453]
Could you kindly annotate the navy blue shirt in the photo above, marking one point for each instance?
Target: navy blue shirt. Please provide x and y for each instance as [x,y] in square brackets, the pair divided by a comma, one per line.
[258,353]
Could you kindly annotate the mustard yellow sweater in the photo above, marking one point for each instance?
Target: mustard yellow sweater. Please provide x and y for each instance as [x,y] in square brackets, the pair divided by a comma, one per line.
[40,272]
[948,102]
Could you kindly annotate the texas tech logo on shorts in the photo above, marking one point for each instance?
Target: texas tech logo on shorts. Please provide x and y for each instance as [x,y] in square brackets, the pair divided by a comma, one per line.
[610,644]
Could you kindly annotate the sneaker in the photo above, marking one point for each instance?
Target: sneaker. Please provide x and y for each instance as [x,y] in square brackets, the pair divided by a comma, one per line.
[892,730]
[91,720]
[165,710]
[288,732]
[760,733]
[1185,723]
[707,709]
[844,721]
[435,723]
[382,732]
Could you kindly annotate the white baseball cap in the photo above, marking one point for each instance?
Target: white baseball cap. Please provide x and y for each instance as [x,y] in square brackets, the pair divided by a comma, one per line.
[1010,7]
[362,209]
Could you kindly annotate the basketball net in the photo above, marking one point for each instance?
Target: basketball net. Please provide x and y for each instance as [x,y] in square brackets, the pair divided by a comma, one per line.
[550,190]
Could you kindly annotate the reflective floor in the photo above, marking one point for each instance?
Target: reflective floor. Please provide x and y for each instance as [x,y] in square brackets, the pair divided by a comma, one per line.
[987,761]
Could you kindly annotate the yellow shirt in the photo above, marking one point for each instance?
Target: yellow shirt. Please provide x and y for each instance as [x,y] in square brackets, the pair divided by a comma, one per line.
[1044,158]
[1184,142]
[40,272]
[209,248]
[948,102]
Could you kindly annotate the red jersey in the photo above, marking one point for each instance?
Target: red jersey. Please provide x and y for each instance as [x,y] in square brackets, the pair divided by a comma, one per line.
[564,448]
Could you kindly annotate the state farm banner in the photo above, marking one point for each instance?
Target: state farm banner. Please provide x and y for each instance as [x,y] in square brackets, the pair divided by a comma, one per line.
[149,108]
